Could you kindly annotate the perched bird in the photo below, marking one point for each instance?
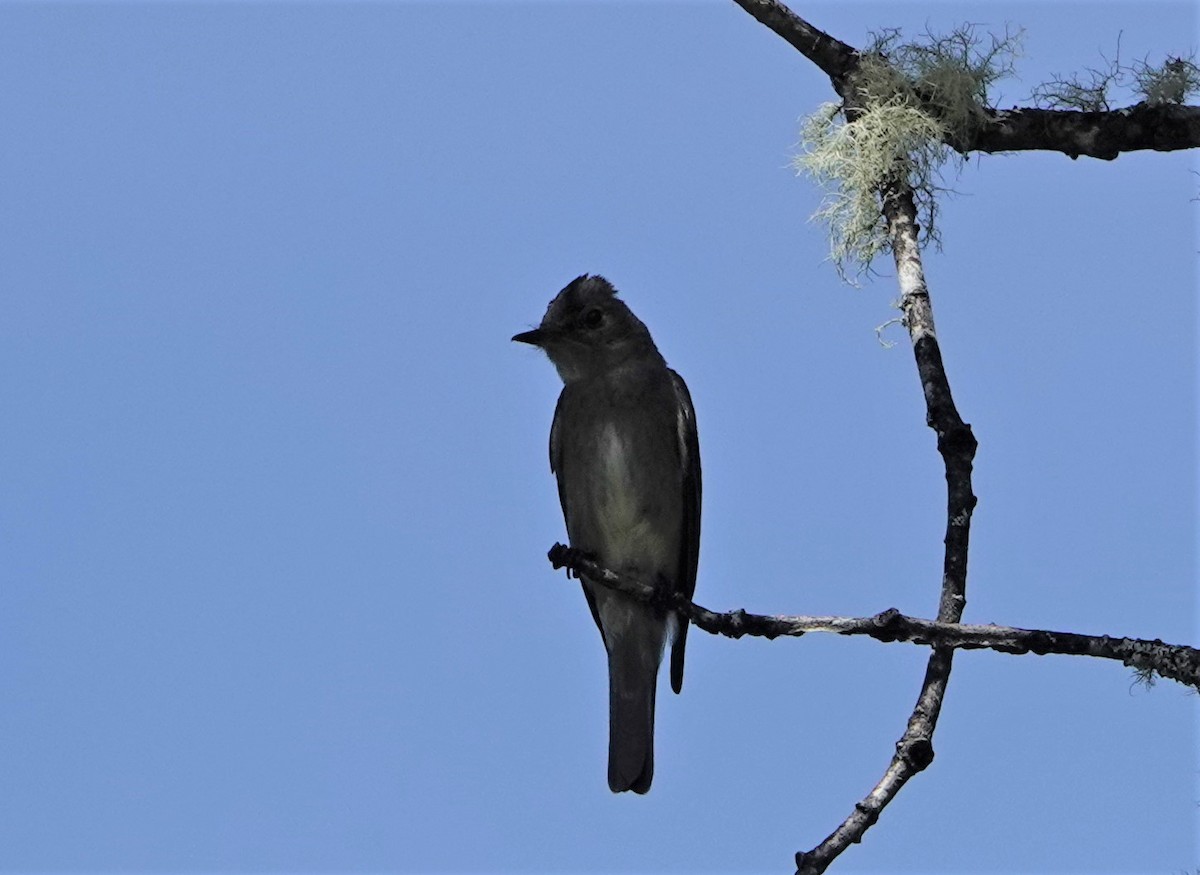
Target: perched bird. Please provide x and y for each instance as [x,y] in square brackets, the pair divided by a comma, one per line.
[624,449]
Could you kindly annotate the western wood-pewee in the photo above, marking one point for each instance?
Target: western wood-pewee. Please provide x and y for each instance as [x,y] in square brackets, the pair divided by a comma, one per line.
[624,448]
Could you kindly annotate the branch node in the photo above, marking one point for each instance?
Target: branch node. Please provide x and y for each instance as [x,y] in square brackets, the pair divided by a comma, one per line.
[869,812]
[890,626]
[958,440]
[917,753]
[737,623]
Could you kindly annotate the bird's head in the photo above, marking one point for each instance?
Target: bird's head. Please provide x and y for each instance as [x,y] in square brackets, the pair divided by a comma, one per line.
[588,330]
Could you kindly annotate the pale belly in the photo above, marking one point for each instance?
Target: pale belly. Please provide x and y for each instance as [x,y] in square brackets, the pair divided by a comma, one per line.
[631,516]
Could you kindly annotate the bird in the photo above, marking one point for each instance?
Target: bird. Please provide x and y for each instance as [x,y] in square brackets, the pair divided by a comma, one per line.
[625,451]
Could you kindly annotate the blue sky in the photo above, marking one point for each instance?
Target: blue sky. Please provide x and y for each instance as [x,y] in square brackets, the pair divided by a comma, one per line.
[276,499]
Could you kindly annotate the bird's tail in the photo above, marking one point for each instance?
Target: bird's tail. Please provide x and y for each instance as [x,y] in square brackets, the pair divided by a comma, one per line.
[632,676]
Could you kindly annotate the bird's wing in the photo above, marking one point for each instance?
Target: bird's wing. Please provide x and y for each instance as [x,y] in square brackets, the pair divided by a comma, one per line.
[689,542]
[556,450]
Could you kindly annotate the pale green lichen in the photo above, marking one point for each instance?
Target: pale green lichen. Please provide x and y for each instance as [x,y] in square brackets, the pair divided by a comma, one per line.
[1173,81]
[912,98]
[852,161]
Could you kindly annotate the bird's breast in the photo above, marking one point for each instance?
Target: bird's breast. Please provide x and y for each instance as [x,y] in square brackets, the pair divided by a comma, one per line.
[631,518]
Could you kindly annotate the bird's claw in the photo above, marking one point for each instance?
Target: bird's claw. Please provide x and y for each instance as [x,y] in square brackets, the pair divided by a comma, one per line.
[562,556]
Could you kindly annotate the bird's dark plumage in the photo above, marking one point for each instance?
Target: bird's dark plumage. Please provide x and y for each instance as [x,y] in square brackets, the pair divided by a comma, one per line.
[625,452]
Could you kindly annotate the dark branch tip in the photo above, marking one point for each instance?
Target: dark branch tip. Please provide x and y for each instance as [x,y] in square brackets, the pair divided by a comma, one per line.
[558,556]
[562,556]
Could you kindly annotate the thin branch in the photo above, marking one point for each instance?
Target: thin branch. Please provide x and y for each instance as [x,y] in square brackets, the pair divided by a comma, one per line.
[831,55]
[1176,662]
[956,443]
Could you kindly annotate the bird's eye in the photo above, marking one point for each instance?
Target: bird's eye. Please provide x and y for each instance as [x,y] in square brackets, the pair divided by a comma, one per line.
[593,317]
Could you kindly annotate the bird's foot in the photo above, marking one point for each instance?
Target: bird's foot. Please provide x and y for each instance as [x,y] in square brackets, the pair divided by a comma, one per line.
[562,556]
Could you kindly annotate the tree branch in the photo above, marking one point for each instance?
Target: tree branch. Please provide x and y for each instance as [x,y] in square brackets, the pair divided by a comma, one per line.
[956,443]
[834,57]
[1176,662]
[1101,134]
[1164,127]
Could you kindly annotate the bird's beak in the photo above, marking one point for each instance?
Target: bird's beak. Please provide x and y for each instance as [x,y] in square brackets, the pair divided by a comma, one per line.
[535,337]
